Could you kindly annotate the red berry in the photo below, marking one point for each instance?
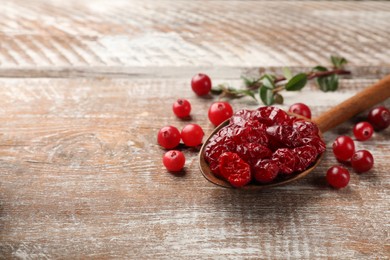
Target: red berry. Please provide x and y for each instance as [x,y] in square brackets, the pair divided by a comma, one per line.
[174,160]
[234,169]
[265,171]
[379,117]
[192,135]
[282,143]
[300,109]
[285,159]
[343,148]
[181,108]
[304,157]
[201,84]
[168,137]
[362,161]
[363,131]
[337,177]
[219,112]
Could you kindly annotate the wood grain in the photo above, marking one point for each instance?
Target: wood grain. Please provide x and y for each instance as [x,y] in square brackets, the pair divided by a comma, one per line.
[192,33]
[86,85]
[81,177]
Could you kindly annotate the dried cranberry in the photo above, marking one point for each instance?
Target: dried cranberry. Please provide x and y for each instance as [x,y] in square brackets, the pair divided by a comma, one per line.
[217,147]
[252,135]
[249,134]
[305,128]
[304,156]
[285,159]
[315,142]
[272,116]
[234,169]
[252,152]
[283,135]
[241,117]
[265,171]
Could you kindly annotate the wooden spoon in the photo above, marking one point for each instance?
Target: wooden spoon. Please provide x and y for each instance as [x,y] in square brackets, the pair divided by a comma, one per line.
[363,100]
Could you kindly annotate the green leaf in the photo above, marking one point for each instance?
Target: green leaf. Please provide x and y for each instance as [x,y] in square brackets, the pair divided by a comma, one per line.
[329,83]
[338,62]
[249,93]
[287,73]
[320,68]
[248,82]
[297,82]
[268,81]
[266,95]
[278,98]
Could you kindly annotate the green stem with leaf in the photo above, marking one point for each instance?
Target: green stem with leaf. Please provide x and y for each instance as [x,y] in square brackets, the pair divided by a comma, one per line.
[269,86]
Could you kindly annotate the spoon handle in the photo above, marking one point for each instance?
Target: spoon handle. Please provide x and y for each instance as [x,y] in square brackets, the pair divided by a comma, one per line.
[363,100]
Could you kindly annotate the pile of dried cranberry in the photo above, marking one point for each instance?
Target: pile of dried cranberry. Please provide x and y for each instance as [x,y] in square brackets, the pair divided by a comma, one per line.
[262,145]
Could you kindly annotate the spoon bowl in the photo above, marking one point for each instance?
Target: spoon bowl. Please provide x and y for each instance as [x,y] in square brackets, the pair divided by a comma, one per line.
[207,173]
[363,100]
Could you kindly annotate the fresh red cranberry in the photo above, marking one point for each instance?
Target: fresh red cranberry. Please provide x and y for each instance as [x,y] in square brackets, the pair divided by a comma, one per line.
[168,137]
[192,135]
[181,108]
[219,112]
[362,161]
[300,109]
[379,117]
[201,84]
[174,160]
[234,169]
[363,131]
[265,171]
[285,159]
[343,148]
[337,177]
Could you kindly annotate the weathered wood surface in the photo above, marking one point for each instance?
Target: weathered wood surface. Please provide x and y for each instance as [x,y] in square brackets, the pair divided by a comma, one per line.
[85,86]
[191,33]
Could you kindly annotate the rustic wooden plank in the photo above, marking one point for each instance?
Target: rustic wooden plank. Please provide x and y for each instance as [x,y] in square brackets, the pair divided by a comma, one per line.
[192,33]
[182,72]
[81,177]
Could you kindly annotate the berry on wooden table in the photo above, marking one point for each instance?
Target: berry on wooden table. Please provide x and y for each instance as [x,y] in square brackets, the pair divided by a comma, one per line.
[379,117]
[362,161]
[181,108]
[337,177]
[343,148]
[219,112]
[363,131]
[168,137]
[174,160]
[300,109]
[192,135]
[201,84]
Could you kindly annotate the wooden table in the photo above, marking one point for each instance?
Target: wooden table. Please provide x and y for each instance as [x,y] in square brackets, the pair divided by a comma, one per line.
[86,85]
